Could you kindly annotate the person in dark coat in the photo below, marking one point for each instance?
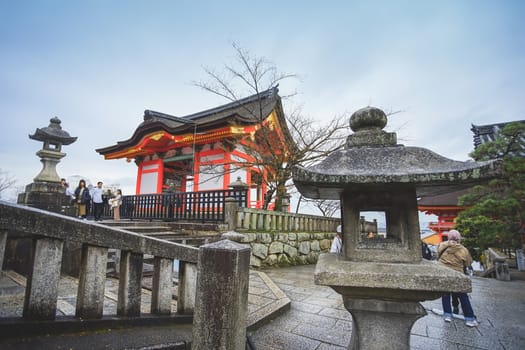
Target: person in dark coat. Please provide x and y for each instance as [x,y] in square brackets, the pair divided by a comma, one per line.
[82,198]
[425,251]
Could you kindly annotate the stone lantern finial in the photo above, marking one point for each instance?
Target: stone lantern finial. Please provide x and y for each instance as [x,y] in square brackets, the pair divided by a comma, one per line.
[367,124]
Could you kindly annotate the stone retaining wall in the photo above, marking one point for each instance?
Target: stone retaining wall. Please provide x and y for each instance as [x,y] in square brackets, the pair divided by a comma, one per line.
[285,249]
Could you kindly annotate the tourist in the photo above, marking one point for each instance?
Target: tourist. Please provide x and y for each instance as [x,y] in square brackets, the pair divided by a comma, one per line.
[455,256]
[337,243]
[82,199]
[98,201]
[115,204]
[68,190]
[425,251]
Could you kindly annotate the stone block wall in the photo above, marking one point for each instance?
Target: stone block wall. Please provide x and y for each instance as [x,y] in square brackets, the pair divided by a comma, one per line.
[285,249]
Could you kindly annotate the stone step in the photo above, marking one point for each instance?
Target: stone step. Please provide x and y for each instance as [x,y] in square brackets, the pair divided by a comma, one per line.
[146,229]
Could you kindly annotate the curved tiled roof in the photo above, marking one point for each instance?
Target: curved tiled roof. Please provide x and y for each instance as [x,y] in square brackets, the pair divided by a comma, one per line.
[250,110]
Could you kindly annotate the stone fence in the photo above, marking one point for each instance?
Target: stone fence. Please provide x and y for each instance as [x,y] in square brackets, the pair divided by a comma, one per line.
[49,232]
[250,219]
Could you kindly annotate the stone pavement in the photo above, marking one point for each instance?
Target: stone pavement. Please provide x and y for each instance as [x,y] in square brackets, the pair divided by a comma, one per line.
[287,311]
[317,319]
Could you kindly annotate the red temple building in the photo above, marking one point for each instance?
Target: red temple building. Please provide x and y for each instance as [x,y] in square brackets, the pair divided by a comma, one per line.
[207,150]
[446,208]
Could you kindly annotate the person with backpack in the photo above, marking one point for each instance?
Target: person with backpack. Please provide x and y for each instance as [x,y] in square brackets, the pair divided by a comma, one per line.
[454,255]
[425,251]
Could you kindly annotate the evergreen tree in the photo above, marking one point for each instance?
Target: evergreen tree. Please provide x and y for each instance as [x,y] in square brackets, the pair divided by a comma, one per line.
[495,214]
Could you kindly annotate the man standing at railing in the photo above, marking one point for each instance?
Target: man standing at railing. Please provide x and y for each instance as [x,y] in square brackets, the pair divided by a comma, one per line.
[98,201]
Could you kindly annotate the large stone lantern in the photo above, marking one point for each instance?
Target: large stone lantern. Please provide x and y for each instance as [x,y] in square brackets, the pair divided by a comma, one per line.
[382,280]
[46,192]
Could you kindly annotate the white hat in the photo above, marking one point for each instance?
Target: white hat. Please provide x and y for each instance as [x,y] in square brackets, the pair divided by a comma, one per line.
[338,229]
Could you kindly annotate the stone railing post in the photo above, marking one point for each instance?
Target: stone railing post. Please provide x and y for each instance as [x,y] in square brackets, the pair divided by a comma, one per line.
[161,294]
[92,282]
[130,284]
[187,287]
[230,213]
[267,221]
[221,304]
[40,301]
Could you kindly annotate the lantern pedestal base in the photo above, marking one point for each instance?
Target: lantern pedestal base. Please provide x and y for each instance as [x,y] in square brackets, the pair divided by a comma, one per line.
[383,298]
[379,324]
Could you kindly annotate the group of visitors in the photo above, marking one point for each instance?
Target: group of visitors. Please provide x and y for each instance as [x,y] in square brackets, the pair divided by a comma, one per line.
[82,198]
[451,254]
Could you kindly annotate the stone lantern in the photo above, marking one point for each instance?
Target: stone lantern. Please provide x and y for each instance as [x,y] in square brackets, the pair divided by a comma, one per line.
[382,280]
[239,187]
[237,199]
[46,192]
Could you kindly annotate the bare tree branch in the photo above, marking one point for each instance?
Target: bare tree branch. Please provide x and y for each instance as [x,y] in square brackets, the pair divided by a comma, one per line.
[6,181]
[312,140]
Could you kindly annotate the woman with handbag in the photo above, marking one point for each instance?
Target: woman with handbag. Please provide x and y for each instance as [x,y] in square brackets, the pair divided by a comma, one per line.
[82,198]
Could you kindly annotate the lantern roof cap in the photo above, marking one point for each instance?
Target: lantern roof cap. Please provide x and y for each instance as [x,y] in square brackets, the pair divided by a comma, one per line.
[372,158]
[53,133]
[238,184]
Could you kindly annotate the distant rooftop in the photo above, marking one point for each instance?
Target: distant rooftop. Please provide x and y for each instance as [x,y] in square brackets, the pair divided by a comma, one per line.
[489,132]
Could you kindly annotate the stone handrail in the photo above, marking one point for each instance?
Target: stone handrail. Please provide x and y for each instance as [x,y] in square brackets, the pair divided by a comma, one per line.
[242,219]
[50,231]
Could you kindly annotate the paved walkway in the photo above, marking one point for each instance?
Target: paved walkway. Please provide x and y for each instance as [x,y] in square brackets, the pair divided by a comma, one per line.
[305,316]
[317,319]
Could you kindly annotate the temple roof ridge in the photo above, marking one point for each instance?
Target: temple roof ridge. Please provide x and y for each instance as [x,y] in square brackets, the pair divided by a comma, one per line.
[189,119]
[269,93]
[149,114]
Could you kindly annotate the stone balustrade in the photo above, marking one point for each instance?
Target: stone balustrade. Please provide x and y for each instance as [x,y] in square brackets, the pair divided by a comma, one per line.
[50,231]
[250,219]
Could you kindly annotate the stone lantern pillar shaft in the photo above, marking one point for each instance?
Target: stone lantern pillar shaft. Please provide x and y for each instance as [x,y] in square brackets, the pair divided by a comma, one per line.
[380,324]
[49,160]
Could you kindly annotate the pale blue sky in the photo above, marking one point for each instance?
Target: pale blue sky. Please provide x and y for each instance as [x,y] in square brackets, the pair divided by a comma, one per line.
[98,64]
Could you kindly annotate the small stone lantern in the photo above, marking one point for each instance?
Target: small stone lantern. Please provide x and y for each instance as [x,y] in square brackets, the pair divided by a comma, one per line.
[382,280]
[239,187]
[46,192]
[235,200]
[53,138]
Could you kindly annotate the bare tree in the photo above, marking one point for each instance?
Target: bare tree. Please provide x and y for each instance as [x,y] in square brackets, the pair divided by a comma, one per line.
[310,141]
[327,207]
[6,181]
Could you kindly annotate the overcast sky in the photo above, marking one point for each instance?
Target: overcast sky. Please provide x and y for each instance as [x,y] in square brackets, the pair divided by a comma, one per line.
[97,65]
